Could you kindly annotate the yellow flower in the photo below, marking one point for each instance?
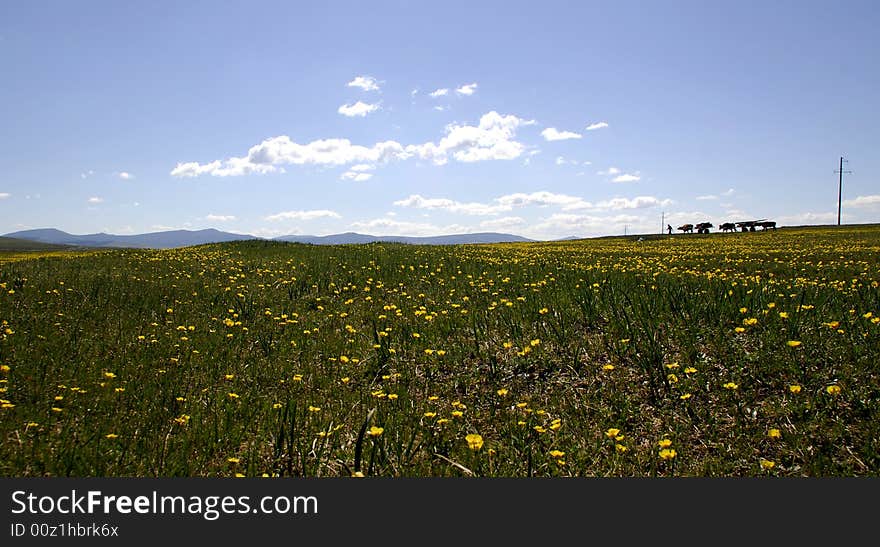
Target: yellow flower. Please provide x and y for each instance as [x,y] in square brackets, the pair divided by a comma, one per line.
[667,454]
[685,396]
[783,315]
[750,321]
[793,343]
[557,453]
[276,406]
[620,448]
[740,329]
[4,368]
[232,395]
[314,408]
[690,370]
[109,375]
[612,432]
[731,386]
[111,435]
[375,431]
[664,443]
[833,389]
[535,342]
[502,392]
[475,442]
[794,388]
[767,464]
[774,433]
[358,474]
[608,367]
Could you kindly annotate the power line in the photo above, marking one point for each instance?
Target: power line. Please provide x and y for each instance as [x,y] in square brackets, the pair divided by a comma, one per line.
[840,171]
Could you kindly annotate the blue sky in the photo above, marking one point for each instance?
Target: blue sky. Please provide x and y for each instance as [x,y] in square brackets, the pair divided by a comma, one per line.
[544,119]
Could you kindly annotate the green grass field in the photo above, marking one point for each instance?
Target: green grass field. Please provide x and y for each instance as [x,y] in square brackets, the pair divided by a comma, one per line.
[723,355]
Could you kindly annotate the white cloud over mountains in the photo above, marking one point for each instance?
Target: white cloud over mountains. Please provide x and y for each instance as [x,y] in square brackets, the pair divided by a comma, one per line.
[509,202]
[303,215]
[493,138]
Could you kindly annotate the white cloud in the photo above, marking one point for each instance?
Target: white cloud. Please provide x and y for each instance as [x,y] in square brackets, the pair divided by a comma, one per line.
[467,89]
[414,92]
[729,192]
[706,198]
[626,178]
[389,226]
[125,176]
[479,209]
[440,108]
[808,218]
[863,202]
[303,215]
[609,171]
[87,174]
[95,200]
[552,134]
[356,176]
[357,109]
[4,195]
[543,198]
[491,139]
[362,167]
[442,92]
[597,125]
[219,218]
[503,223]
[639,202]
[367,83]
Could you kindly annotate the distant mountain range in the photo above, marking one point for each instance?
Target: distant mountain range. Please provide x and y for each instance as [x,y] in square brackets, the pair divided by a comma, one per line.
[184,238]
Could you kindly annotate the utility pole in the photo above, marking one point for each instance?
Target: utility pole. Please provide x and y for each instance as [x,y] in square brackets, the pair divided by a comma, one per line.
[662,222]
[840,187]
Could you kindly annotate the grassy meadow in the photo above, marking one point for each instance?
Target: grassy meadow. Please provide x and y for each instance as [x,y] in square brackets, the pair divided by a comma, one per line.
[745,354]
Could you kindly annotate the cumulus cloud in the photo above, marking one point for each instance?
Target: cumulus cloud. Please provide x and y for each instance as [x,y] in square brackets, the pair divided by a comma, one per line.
[362,167]
[389,226]
[303,215]
[626,178]
[552,134]
[4,195]
[95,200]
[124,175]
[597,125]
[87,174]
[491,139]
[367,83]
[219,218]
[480,209]
[467,89]
[359,108]
[864,202]
[442,92]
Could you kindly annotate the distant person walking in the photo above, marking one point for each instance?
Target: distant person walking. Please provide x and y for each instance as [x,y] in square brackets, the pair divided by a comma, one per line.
[669,229]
